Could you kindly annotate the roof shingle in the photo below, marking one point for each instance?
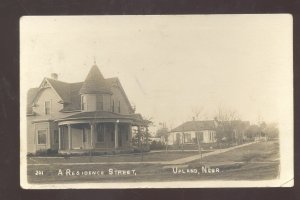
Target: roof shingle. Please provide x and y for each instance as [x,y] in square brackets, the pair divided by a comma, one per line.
[95,83]
[195,126]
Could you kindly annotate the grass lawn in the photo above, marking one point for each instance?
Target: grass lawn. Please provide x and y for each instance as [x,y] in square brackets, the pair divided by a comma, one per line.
[254,162]
[146,157]
[258,161]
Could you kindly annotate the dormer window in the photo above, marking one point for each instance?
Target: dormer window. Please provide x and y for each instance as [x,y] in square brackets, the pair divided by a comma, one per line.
[47,107]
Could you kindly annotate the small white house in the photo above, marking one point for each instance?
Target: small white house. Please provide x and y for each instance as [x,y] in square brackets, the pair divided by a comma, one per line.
[192,132]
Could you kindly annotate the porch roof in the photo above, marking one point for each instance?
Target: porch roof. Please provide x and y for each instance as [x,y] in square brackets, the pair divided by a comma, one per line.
[135,118]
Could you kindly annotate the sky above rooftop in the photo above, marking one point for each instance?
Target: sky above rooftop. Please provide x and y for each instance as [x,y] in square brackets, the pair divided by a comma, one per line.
[171,65]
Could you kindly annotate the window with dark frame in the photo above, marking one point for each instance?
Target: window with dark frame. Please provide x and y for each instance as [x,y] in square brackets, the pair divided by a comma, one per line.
[100,133]
[42,137]
[126,135]
[99,102]
[55,137]
[83,103]
[112,133]
[47,107]
[83,135]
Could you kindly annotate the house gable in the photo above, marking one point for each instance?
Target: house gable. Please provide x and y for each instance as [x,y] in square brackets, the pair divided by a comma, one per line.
[67,96]
[45,85]
[119,95]
[49,96]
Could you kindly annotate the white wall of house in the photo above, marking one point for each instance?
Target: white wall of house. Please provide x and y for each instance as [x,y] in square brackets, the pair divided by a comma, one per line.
[107,102]
[48,94]
[119,97]
[31,148]
[209,136]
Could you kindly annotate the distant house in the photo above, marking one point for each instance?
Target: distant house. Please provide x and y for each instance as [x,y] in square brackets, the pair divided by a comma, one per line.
[192,132]
[233,131]
[209,131]
[76,117]
[239,128]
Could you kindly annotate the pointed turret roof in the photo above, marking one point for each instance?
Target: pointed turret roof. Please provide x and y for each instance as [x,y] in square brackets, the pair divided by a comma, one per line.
[95,83]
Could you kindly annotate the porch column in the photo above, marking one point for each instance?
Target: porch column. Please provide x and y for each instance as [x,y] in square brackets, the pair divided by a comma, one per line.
[70,136]
[59,138]
[116,135]
[92,135]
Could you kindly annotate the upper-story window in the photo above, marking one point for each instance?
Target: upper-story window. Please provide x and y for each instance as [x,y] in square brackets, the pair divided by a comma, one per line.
[83,103]
[47,107]
[113,106]
[119,107]
[99,102]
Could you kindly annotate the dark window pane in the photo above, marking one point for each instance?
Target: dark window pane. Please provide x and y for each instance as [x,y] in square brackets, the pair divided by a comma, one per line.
[42,137]
[99,102]
[100,133]
[47,107]
[55,137]
[83,135]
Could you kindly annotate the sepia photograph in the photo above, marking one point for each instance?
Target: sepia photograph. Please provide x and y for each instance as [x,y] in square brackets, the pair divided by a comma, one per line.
[156,101]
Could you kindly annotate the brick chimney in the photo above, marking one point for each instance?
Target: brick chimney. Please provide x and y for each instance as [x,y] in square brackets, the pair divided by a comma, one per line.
[54,76]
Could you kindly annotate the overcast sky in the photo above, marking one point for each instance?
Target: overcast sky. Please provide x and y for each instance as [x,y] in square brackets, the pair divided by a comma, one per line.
[169,65]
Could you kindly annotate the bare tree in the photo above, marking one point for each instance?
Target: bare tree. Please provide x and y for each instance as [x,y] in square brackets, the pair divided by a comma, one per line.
[225,118]
[196,111]
[226,114]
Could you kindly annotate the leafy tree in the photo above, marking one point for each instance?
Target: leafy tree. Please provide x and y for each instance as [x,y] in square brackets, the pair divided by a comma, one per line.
[162,132]
[252,131]
[271,130]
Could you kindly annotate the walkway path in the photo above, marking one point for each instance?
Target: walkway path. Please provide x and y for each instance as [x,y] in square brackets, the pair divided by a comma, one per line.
[173,162]
[196,157]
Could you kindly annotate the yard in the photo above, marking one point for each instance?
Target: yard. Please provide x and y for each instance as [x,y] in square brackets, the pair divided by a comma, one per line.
[259,161]
[138,157]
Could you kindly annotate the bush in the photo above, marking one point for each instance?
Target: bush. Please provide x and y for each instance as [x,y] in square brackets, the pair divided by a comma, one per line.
[46,152]
[141,149]
[157,145]
[30,154]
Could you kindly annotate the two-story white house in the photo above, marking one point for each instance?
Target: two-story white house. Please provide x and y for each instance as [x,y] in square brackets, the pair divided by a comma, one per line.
[76,117]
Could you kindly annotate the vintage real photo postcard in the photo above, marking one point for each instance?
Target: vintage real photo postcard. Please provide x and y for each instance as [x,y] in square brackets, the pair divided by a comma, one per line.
[156,101]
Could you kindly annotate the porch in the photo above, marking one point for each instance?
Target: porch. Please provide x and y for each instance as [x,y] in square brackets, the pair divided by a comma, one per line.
[78,135]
